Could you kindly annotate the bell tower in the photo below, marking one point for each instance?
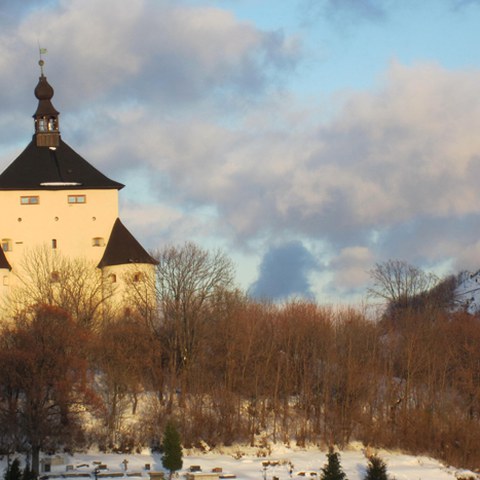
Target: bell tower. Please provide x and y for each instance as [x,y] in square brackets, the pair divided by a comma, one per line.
[47,133]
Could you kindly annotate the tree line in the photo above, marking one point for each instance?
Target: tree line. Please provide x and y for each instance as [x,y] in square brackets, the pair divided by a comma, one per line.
[227,368]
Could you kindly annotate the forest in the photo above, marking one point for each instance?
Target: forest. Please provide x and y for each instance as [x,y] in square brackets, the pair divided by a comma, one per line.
[228,369]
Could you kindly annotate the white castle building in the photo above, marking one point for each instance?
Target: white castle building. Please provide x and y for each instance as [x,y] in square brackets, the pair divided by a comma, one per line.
[52,198]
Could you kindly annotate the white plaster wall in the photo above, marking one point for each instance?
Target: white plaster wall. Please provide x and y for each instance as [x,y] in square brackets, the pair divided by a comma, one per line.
[134,283]
[72,225]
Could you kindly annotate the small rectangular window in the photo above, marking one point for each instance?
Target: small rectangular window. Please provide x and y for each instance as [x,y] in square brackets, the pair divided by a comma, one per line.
[7,244]
[137,277]
[30,200]
[54,243]
[98,242]
[77,199]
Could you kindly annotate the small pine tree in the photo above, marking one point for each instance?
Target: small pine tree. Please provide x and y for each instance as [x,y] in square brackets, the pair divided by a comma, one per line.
[13,471]
[376,469]
[332,469]
[172,449]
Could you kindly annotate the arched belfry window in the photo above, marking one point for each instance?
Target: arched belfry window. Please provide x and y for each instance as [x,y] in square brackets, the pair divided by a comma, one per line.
[52,124]
[47,124]
[41,127]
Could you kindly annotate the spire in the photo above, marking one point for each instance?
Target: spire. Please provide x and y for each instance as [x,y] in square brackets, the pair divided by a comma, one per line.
[47,133]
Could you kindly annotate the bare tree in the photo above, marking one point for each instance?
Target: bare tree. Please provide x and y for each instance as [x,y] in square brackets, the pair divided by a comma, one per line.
[122,352]
[43,369]
[75,285]
[188,278]
[400,284]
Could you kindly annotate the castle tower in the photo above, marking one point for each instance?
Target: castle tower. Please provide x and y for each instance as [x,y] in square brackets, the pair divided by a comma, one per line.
[54,199]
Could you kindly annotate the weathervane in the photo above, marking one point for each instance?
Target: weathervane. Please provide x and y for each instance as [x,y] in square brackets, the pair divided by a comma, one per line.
[41,62]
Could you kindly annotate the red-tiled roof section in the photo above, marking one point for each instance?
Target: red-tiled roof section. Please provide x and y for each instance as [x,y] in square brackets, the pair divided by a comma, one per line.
[122,248]
[3,260]
[61,168]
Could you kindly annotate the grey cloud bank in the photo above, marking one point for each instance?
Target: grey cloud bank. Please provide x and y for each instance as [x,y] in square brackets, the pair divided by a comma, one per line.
[284,273]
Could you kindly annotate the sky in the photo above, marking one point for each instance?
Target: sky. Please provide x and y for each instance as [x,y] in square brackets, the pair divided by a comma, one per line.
[307,139]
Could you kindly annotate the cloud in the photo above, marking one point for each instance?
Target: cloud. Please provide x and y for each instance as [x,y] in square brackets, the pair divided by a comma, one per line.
[369,9]
[11,10]
[156,50]
[351,269]
[391,175]
[348,14]
[106,59]
[157,225]
[284,272]
[407,150]
[401,162]
[460,4]
[429,240]
[347,11]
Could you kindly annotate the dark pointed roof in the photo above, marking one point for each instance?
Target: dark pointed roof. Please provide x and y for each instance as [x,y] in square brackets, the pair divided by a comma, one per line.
[122,248]
[48,162]
[57,168]
[3,260]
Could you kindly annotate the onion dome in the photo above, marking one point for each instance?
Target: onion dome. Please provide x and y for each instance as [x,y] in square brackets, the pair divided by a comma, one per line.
[43,91]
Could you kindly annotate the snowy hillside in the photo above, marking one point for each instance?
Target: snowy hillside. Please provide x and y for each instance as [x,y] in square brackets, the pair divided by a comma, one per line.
[467,292]
[245,464]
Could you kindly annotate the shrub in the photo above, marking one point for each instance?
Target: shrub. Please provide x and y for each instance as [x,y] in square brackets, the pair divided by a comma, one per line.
[376,469]
[333,470]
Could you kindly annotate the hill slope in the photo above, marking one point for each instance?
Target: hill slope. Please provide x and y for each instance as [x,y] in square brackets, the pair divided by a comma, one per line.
[467,292]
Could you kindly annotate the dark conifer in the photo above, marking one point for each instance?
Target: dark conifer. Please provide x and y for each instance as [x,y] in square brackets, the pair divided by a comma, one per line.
[172,449]
[13,471]
[332,469]
[376,469]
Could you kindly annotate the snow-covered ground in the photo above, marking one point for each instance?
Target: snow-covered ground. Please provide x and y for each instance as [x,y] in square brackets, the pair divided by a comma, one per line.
[246,465]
